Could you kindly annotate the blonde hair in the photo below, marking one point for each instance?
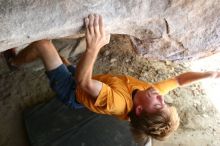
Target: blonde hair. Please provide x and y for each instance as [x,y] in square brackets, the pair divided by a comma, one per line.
[159,125]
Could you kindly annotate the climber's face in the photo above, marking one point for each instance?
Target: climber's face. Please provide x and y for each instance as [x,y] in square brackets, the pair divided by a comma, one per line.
[148,100]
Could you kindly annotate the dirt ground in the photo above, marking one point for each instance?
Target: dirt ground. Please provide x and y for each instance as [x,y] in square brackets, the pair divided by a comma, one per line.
[200,120]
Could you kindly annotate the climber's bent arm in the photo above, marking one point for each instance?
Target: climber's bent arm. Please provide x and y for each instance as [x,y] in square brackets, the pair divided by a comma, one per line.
[95,40]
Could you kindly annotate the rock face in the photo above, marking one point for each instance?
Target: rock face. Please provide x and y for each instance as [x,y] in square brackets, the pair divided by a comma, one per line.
[170,29]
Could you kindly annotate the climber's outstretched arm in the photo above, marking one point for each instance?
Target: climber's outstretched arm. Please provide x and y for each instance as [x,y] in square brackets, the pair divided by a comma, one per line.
[191,77]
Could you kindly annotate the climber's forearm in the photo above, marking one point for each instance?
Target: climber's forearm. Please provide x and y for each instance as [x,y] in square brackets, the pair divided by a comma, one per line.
[191,77]
[84,74]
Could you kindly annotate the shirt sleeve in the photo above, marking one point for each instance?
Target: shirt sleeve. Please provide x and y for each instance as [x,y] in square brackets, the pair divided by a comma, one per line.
[110,100]
[167,85]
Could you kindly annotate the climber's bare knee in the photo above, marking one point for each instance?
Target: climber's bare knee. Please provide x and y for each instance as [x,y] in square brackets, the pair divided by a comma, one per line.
[48,54]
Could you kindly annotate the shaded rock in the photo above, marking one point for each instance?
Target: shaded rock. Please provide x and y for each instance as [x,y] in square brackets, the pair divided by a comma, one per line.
[65,47]
[168,99]
[130,69]
[113,60]
[106,53]
[80,48]
[127,60]
[3,65]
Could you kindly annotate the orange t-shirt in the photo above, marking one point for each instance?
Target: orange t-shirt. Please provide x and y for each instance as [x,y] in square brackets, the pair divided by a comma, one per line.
[115,97]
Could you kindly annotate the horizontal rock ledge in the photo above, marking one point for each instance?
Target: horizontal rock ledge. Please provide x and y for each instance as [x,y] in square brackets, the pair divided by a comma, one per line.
[181,28]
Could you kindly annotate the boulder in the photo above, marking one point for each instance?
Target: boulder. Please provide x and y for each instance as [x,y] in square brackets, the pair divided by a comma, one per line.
[170,29]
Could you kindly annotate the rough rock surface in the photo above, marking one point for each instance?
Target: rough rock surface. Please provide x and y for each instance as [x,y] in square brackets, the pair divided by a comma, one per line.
[178,29]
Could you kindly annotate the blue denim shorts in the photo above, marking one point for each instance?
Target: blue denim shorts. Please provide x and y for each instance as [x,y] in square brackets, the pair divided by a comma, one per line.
[63,84]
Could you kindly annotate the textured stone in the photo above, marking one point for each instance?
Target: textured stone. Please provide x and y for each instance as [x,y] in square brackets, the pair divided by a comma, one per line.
[171,29]
[65,47]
